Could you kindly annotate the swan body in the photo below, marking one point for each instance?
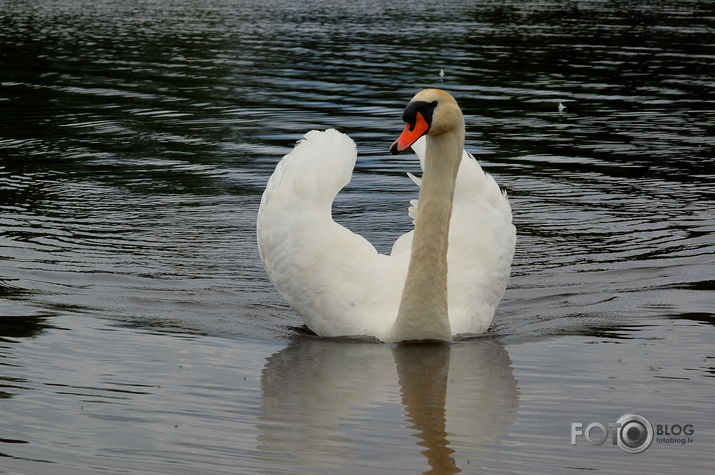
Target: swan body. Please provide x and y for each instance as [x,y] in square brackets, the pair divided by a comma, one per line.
[448,283]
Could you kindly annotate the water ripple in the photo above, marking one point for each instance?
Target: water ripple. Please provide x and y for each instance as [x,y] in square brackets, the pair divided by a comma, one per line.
[136,140]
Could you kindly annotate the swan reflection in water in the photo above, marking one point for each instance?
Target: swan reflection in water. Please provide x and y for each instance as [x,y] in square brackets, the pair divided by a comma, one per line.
[335,404]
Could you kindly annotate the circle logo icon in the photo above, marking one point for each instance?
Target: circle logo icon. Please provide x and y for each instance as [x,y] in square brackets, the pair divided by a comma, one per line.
[635,433]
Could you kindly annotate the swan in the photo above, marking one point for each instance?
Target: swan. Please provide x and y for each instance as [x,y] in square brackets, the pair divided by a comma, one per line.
[442,279]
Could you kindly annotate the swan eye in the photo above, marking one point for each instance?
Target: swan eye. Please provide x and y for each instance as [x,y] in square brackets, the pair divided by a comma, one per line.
[426,109]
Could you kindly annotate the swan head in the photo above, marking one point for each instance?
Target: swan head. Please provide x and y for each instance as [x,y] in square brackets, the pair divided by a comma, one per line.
[431,112]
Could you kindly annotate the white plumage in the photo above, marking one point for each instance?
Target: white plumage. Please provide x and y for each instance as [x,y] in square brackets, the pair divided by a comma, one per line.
[338,282]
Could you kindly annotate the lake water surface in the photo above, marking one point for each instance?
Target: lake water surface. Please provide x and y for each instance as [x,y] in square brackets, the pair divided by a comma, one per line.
[139,332]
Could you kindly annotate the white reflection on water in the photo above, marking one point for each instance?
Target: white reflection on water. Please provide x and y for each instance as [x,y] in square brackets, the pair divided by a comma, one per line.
[457,400]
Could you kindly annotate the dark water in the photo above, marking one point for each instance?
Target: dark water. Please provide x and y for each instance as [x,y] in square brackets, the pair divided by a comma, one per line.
[139,331]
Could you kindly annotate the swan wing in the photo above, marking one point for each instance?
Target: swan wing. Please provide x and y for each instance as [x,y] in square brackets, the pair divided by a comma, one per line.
[334,278]
[482,239]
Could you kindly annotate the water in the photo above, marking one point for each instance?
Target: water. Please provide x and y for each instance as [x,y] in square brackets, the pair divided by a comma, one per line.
[139,331]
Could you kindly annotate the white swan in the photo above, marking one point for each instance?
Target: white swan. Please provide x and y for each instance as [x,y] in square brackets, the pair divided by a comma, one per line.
[339,283]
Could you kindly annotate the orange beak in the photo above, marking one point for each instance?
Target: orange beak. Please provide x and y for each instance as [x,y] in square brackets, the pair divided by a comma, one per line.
[410,135]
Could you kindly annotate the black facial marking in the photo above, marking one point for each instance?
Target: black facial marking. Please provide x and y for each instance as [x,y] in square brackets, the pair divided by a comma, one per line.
[409,116]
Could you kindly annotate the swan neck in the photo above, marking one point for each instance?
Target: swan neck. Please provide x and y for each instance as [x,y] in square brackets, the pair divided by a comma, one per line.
[423,312]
